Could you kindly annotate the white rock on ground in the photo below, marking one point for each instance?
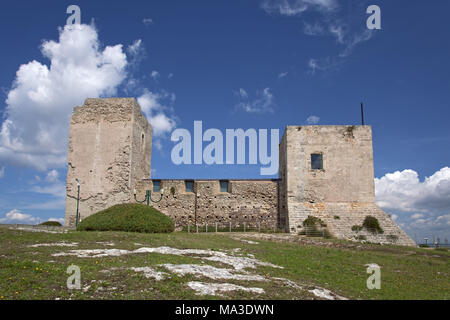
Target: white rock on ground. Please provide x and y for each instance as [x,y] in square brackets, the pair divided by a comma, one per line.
[236,262]
[202,288]
[150,273]
[211,272]
[55,244]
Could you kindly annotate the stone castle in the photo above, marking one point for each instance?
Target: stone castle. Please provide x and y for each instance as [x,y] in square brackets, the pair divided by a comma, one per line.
[324,171]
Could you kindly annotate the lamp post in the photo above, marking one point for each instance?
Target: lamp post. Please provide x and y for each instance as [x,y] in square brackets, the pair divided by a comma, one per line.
[148,197]
[78,202]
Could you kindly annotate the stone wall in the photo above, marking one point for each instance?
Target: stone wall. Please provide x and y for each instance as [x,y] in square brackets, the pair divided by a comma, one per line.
[249,201]
[109,150]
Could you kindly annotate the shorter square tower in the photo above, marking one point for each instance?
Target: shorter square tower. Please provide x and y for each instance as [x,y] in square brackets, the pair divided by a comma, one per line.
[327,172]
[110,145]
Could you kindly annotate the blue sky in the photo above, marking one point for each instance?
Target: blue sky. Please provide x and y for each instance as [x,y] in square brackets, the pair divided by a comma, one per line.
[232,64]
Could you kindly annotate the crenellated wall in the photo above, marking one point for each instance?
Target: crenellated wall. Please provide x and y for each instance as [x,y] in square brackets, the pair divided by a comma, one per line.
[249,201]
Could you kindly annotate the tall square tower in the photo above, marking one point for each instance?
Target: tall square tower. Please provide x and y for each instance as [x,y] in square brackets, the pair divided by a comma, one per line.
[110,145]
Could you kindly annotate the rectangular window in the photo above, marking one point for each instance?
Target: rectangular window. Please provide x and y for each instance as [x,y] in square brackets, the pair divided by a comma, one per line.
[189,185]
[223,185]
[316,161]
[156,185]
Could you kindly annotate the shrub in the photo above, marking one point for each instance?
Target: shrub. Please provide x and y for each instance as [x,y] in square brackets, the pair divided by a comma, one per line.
[356,228]
[131,217]
[311,228]
[337,217]
[51,223]
[172,190]
[313,221]
[372,225]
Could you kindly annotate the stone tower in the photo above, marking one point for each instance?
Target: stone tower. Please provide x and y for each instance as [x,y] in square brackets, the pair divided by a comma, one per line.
[327,172]
[110,145]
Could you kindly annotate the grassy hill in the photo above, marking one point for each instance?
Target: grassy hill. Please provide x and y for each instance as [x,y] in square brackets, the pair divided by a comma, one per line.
[150,266]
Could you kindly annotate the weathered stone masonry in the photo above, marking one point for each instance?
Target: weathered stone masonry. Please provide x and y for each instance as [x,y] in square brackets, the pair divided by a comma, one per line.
[324,171]
[253,202]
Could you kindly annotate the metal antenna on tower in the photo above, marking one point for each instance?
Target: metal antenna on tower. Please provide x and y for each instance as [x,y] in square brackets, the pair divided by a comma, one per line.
[362,114]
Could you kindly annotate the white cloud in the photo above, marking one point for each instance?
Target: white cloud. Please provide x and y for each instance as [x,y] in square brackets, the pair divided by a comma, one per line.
[42,97]
[355,39]
[16,217]
[154,108]
[402,190]
[52,176]
[348,32]
[421,206]
[155,74]
[297,7]
[2,172]
[312,120]
[321,64]
[40,102]
[147,21]
[263,102]
[282,75]
[315,29]
[417,216]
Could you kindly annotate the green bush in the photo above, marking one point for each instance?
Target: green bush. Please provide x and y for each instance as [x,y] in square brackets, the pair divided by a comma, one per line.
[372,225]
[51,223]
[313,221]
[131,217]
[356,228]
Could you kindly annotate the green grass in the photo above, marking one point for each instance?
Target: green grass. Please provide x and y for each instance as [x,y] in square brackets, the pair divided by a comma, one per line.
[33,273]
[130,217]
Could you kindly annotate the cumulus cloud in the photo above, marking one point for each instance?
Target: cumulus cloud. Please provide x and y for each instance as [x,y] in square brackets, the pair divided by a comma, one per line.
[421,205]
[154,106]
[402,190]
[282,75]
[40,102]
[312,120]
[262,103]
[16,217]
[2,172]
[34,132]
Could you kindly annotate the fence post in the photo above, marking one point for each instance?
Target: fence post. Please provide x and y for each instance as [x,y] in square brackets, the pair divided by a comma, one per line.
[189,228]
[244,226]
[230,226]
[259,227]
[196,226]
[216,227]
[206,228]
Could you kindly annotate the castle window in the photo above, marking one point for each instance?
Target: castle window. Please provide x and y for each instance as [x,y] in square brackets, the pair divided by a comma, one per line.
[156,185]
[316,161]
[189,185]
[223,185]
